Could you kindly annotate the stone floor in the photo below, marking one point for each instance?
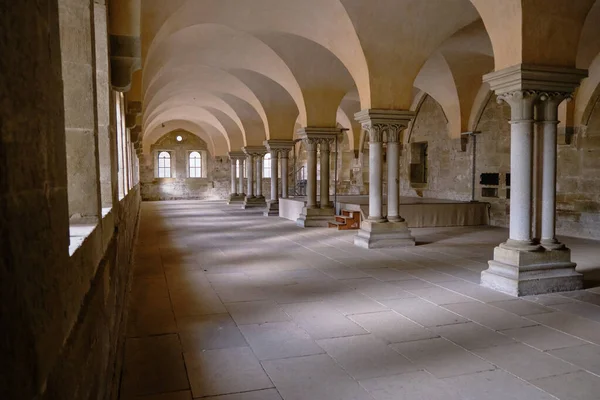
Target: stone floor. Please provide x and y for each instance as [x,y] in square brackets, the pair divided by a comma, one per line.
[229,305]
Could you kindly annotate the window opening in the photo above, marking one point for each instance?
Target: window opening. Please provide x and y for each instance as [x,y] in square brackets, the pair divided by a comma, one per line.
[195,163]
[164,165]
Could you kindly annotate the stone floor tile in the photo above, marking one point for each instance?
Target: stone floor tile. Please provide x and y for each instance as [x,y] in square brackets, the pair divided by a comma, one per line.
[549,299]
[525,362]
[432,276]
[587,356]
[256,312]
[489,316]
[312,378]
[185,395]
[279,340]
[423,312]
[196,302]
[412,284]
[365,356]
[521,307]
[387,274]
[441,357]
[225,371]
[584,296]
[392,327]
[543,338]
[376,289]
[585,310]
[267,394]
[344,272]
[209,332]
[352,303]
[579,385]
[440,295]
[419,385]
[475,291]
[472,336]
[153,365]
[322,321]
[494,385]
[571,324]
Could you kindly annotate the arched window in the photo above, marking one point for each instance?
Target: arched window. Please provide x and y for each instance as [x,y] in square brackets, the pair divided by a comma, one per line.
[164,165]
[267,166]
[195,165]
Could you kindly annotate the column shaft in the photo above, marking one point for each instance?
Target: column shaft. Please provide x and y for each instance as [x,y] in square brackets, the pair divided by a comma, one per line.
[375,180]
[284,174]
[259,175]
[520,180]
[274,176]
[241,178]
[311,184]
[549,183]
[250,169]
[233,174]
[325,156]
[393,199]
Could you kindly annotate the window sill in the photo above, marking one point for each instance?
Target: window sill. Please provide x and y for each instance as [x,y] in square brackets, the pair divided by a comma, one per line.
[78,232]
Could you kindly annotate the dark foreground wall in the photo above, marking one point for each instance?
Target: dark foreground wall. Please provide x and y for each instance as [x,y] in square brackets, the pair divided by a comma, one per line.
[61,315]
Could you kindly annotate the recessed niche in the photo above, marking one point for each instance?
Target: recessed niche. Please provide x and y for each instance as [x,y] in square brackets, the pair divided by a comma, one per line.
[492,179]
[489,192]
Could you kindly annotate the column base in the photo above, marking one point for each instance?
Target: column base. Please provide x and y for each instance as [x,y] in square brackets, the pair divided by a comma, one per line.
[521,273]
[376,235]
[253,202]
[315,217]
[272,209]
[236,198]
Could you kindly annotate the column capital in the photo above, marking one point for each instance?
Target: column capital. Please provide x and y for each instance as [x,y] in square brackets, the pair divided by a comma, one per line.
[255,151]
[378,123]
[539,78]
[279,145]
[237,155]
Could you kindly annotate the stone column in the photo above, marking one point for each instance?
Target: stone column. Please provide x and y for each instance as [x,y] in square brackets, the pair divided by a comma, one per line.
[521,167]
[259,174]
[274,175]
[376,231]
[312,214]
[250,169]
[241,180]
[254,197]
[311,173]
[521,266]
[549,111]
[237,186]
[233,176]
[393,181]
[325,159]
[376,175]
[284,174]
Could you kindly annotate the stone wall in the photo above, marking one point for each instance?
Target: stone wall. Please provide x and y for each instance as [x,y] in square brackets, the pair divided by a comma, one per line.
[61,315]
[578,197]
[578,192]
[450,167]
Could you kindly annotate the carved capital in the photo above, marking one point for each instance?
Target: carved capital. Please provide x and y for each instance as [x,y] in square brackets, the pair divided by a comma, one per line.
[384,124]
[548,106]
[521,104]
